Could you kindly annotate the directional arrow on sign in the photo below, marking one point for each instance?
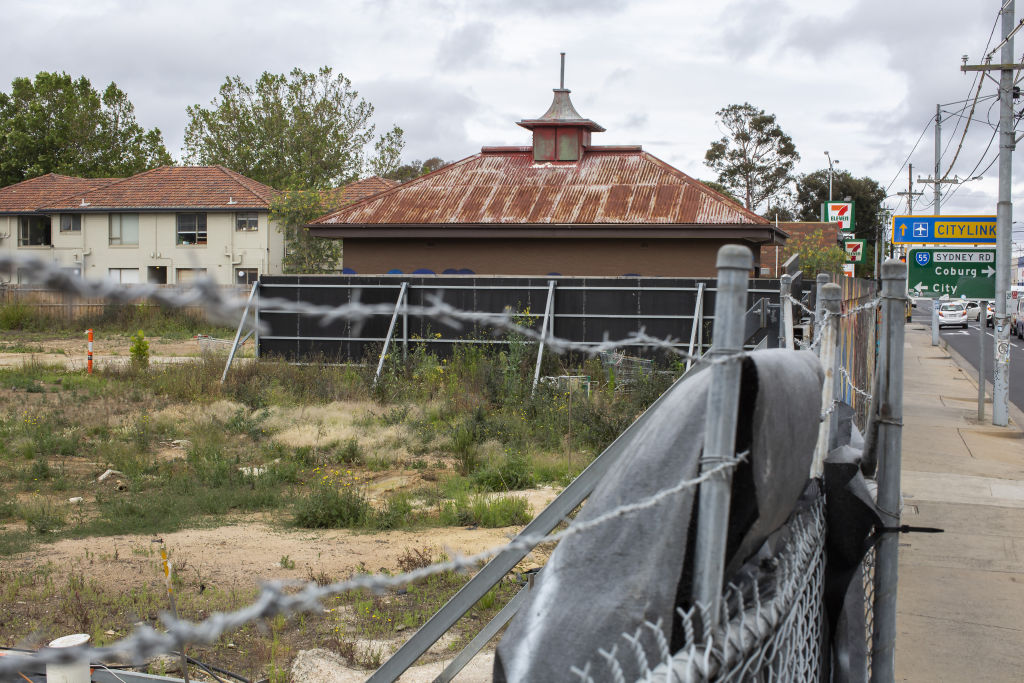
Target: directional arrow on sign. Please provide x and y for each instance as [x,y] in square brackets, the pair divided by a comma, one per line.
[918,287]
[989,271]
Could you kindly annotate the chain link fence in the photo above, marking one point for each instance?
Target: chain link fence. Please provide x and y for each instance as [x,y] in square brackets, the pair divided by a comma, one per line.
[771,625]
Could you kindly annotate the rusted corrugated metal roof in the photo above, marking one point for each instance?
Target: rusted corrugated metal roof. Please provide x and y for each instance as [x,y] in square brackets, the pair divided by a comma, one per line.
[356,191]
[505,186]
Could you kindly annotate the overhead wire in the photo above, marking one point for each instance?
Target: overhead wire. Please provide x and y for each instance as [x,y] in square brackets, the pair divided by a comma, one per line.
[978,81]
[973,175]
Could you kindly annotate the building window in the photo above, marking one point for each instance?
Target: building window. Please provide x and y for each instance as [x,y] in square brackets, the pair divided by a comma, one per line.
[247,222]
[125,276]
[247,276]
[189,275]
[191,228]
[156,275]
[124,229]
[34,231]
[71,222]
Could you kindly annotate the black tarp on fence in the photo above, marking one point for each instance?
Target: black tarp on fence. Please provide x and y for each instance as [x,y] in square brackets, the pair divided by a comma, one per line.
[585,310]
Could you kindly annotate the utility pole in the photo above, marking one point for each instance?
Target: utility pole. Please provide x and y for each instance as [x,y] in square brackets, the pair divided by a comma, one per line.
[910,194]
[1004,225]
[1004,212]
[938,181]
[938,153]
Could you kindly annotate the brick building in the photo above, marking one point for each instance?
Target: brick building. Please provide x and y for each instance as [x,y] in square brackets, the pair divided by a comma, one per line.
[559,206]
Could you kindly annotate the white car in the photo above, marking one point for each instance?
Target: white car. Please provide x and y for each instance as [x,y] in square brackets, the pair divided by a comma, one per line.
[953,314]
[973,310]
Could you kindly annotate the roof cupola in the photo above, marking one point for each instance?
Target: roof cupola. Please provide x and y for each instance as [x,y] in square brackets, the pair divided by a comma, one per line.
[561,134]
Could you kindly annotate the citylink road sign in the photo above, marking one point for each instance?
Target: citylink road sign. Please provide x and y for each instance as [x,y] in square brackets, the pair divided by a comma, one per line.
[956,272]
[944,229]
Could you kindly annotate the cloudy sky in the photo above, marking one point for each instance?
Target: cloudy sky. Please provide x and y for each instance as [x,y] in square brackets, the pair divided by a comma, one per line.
[859,78]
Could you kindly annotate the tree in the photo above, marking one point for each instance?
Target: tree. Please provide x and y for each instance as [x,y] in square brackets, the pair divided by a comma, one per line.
[300,130]
[304,253]
[755,158]
[866,193]
[415,169]
[818,254]
[54,124]
[722,190]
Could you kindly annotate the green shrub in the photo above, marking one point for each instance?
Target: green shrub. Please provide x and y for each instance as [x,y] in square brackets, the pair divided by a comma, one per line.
[17,316]
[349,452]
[512,473]
[490,512]
[328,508]
[463,447]
[42,517]
[396,514]
[139,351]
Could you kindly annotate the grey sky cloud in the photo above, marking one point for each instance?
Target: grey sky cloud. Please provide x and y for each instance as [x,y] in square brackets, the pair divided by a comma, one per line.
[858,77]
[466,47]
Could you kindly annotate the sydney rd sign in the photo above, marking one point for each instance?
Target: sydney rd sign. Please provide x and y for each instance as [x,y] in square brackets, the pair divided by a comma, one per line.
[956,272]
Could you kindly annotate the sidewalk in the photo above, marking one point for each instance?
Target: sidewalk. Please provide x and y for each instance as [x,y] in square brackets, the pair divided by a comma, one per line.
[961,593]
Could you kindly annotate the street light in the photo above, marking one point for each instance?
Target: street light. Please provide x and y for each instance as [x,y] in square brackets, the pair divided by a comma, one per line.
[830,162]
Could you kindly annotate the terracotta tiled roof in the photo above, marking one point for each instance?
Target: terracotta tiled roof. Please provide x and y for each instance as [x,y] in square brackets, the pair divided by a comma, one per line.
[172,187]
[504,186]
[28,195]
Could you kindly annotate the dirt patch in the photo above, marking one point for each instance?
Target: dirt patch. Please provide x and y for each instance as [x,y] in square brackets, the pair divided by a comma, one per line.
[250,551]
[72,353]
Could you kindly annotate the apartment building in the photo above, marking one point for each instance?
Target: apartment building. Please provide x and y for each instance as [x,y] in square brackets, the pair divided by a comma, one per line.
[167,225]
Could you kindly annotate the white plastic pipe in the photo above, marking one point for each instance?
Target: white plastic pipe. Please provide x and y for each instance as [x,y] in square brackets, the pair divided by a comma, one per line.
[77,672]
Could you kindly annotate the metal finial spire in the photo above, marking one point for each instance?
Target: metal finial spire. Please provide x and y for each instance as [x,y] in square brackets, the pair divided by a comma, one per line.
[561,79]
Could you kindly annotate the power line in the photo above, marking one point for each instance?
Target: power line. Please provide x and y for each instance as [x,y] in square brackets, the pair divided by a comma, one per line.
[905,161]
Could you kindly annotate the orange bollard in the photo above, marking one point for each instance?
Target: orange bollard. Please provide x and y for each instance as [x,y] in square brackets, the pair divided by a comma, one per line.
[89,364]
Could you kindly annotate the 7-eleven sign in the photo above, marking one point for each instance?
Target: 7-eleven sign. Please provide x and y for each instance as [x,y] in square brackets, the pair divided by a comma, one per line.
[838,212]
[854,250]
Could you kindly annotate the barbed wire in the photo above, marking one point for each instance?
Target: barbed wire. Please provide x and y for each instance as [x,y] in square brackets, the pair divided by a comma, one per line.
[146,642]
[226,308]
[278,597]
[866,395]
[820,329]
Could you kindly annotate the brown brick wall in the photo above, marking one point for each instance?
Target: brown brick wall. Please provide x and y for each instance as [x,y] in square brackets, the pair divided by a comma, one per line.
[579,257]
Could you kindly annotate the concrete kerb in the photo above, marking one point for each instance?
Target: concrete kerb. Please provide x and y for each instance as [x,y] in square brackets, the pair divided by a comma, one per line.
[1016,416]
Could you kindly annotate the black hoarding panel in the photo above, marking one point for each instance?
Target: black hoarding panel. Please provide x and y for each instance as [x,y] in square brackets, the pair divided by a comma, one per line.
[586,309]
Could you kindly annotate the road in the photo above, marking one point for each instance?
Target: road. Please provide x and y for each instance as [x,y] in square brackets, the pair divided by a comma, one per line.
[966,344]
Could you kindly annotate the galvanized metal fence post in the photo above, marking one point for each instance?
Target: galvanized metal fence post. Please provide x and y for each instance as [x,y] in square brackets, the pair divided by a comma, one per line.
[734,264]
[819,310]
[982,309]
[234,344]
[545,327]
[831,301]
[391,331]
[890,427]
[786,310]
[935,322]
[256,318]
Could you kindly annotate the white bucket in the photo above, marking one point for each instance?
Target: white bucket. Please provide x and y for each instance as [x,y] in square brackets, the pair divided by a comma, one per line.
[78,672]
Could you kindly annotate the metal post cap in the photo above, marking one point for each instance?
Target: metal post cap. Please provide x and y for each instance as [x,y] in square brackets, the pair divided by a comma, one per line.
[735,256]
[786,279]
[823,278]
[894,269]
